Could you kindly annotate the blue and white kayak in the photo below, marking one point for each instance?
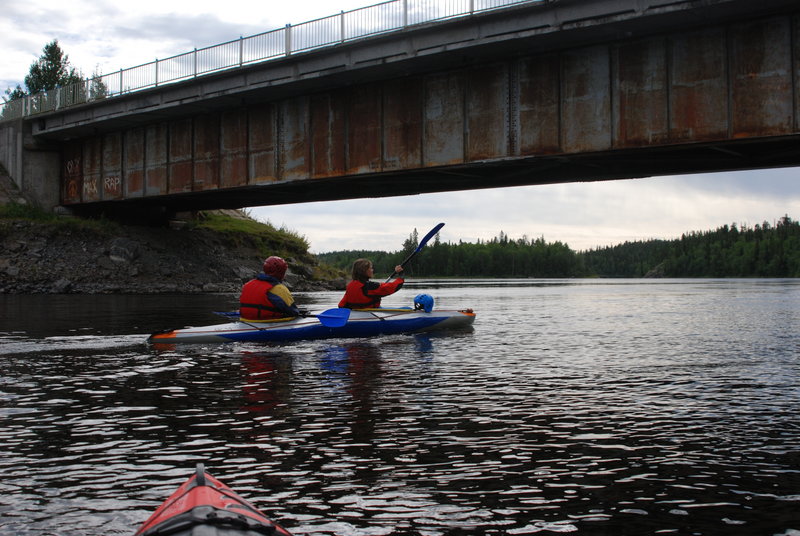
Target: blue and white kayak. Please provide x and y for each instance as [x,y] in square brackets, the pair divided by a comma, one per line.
[333,323]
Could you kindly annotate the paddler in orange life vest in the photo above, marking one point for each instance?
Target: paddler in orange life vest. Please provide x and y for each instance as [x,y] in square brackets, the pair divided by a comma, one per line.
[266,297]
[361,293]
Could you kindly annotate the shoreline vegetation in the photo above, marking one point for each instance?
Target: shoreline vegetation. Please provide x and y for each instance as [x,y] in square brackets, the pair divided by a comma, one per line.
[217,251]
[763,250]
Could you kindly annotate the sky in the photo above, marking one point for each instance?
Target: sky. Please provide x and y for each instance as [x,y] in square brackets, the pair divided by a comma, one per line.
[104,36]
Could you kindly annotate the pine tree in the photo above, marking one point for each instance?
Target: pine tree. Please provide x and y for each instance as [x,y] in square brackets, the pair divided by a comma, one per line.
[51,70]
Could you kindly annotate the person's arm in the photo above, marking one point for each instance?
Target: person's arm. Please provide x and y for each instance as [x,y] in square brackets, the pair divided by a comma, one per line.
[281,298]
[371,288]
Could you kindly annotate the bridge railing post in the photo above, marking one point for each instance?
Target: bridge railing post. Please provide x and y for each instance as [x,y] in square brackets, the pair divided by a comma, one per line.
[405,13]
[195,62]
[241,51]
[288,39]
[155,69]
[341,27]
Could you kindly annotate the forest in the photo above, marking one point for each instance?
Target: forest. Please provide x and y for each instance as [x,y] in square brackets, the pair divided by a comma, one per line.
[763,250]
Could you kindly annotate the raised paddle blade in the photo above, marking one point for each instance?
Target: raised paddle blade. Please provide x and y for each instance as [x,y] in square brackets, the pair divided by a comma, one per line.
[428,236]
[421,245]
[333,318]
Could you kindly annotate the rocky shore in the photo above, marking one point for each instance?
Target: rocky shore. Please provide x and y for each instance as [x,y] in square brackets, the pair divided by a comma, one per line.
[58,255]
[44,258]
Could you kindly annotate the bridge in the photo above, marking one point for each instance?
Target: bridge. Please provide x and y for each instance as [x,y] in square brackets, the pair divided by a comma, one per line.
[524,93]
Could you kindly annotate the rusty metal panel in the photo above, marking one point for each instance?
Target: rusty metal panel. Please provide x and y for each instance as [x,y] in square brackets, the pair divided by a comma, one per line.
[155,159]
[539,130]
[234,148]
[71,173]
[112,166]
[443,115]
[133,170]
[206,152]
[698,86]
[641,100]
[92,164]
[402,123]
[327,134]
[796,70]
[487,112]
[293,135]
[180,156]
[261,143]
[364,129]
[586,100]
[761,78]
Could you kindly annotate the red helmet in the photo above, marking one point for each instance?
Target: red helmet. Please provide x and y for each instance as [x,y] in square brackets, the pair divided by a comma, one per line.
[276,267]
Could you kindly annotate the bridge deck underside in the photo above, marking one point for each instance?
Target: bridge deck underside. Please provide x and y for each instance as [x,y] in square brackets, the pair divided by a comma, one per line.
[715,98]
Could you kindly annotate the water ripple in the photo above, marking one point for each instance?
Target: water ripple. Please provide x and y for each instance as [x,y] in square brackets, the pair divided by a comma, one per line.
[627,408]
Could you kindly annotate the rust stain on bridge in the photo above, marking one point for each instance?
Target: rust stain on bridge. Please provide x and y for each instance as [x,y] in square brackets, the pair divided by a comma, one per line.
[511,121]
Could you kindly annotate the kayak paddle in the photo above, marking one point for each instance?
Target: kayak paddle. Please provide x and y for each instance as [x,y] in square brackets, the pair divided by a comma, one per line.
[333,318]
[330,318]
[421,245]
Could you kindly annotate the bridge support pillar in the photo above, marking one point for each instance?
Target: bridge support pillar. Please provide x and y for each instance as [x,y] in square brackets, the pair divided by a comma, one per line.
[33,165]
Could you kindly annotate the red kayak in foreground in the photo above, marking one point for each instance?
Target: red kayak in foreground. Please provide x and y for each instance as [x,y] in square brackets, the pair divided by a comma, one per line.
[205,506]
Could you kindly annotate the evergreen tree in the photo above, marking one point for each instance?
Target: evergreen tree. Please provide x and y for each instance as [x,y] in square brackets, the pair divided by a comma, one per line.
[730,251]
[97,88]
[51,70]
[16,93]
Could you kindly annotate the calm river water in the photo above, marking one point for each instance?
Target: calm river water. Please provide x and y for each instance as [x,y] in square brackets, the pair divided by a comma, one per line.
[585,406]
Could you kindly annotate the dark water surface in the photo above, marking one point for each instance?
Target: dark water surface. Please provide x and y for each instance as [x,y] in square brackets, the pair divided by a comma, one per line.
[574,406]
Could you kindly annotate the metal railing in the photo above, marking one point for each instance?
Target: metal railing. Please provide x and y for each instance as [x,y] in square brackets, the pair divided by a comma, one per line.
[327,31]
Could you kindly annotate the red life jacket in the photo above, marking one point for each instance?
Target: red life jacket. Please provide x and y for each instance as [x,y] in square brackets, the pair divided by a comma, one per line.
[254,304]
[367,294]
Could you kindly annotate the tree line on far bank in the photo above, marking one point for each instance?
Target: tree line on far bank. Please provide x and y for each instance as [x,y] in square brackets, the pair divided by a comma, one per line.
[764,250]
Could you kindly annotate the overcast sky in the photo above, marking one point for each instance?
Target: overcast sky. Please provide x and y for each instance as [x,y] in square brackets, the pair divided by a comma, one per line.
[104,36]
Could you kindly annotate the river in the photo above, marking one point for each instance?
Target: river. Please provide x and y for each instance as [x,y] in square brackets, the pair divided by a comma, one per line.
[573,406]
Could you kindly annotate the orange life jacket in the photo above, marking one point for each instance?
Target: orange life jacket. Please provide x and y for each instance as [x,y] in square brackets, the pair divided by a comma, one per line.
[254,303]
[368,294]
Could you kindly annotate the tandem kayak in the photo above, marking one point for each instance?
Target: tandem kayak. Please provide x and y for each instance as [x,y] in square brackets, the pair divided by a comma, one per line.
[323,325]
[205,506]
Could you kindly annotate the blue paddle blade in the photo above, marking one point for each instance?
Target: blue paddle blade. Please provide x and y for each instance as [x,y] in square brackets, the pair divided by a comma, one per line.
[333,318]
[428,236]
[421,245]
[228,314]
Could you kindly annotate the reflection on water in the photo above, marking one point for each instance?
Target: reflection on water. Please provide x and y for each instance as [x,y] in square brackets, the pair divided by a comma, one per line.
[600,407]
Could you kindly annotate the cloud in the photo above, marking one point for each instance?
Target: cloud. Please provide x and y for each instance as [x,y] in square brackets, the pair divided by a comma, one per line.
[106,36]
[583,215]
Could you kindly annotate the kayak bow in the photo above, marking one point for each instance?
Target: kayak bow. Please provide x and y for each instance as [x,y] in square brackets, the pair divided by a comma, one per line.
[204,505]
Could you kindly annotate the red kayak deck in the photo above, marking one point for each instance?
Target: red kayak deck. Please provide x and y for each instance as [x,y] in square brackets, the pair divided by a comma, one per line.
[204,505]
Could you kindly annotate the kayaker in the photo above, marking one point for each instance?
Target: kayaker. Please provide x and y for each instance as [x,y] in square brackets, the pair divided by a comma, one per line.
[361,293]
[266,297]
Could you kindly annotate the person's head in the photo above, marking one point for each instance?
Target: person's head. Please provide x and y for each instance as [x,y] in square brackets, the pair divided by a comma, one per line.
[276,267]
[362,269]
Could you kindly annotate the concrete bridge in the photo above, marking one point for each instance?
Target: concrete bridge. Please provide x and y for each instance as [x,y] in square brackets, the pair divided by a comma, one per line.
[534,93]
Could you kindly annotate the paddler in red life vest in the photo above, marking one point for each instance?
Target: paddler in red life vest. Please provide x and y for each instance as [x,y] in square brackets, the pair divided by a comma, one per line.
[361,293]
[266,297]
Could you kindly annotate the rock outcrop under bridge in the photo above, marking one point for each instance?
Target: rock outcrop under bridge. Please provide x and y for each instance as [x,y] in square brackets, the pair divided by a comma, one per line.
[68,255]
